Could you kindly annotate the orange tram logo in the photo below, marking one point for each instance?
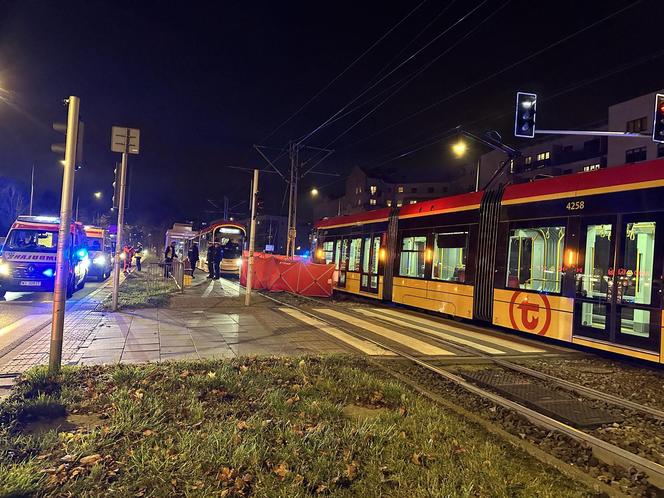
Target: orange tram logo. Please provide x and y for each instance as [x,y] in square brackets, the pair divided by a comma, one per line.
[531,313]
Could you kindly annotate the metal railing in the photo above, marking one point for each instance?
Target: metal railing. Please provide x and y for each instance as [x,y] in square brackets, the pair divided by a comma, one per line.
[166,272]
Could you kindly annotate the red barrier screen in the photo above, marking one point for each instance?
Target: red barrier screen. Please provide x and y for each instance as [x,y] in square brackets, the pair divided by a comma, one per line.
[280,273]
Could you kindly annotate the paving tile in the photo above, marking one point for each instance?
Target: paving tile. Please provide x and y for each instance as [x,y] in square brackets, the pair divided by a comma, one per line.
[140,356]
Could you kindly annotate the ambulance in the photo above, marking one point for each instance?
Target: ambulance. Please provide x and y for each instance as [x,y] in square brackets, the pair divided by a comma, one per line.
[28,256]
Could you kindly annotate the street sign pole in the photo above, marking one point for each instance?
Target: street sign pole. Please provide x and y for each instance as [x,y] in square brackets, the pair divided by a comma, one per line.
[126,141]
[252,240]
[64,240]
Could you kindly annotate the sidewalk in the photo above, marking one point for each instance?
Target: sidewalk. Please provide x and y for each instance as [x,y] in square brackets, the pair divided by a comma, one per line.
[208,320]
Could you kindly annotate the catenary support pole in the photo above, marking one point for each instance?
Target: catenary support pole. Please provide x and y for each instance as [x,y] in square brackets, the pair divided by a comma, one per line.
[252,240]
[62,282]
[32,188]
[118,239]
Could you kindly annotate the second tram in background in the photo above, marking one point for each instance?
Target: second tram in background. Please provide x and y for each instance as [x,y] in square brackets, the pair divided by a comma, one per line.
[577,258]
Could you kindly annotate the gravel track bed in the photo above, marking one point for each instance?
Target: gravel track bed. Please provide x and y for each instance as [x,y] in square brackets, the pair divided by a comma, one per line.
[628,481]
[636,432]
[639,382]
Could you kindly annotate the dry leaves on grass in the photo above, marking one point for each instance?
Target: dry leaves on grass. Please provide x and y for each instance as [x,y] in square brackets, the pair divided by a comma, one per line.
[281,470]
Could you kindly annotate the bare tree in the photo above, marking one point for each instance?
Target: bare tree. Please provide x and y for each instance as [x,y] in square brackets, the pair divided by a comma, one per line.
[12,203]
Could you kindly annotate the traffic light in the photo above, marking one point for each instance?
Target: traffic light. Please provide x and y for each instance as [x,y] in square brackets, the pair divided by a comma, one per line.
[524,118]
[658,121]
[116,186]
[59,148]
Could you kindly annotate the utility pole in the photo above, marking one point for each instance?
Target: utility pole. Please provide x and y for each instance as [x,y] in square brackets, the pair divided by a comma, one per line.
[64,239]
[126,141]
[32,188]
[78,198]
[252,240]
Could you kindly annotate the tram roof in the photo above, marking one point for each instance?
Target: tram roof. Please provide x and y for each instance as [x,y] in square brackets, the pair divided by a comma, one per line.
[647,174]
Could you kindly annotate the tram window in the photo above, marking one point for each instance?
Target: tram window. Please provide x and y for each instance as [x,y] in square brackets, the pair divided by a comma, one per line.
[344,254]
[412,256]
[328,250]
[337,254]
[366,255]
[449,256]
[354,256]
[535,258]
[597,277]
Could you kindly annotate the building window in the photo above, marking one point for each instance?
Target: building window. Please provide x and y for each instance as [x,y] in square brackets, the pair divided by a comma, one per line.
[413,190]
[359,202]
[449,256]
[535,258]
[511,165]
[445,188]
[399,203]
[412,260]
[400,189]
[389,203]
[634,155]
[528,160]
[637,125]
[430,190]
[591,167]
[660,150]
[373,189]
[412,202]
[372,202]
[543,156]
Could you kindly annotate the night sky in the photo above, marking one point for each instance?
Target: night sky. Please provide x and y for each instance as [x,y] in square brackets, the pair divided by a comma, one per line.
[205,81]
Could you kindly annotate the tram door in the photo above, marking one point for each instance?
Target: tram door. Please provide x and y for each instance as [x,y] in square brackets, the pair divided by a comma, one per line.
[618,291]
[369,272]
[341,261]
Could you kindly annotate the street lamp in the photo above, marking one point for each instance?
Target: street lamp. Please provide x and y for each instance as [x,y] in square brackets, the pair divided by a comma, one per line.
[314,192]
[460,148]
[97,195]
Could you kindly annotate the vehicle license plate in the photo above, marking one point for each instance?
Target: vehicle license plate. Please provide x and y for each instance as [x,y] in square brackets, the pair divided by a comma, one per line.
[30,282]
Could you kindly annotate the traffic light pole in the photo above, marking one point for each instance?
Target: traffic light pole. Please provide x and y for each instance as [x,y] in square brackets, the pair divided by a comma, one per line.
[252,240]
[118,240]
[64,239]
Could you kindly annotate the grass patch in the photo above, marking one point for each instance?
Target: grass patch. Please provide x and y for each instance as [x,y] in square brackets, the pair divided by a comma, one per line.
[262,427]
[140,291]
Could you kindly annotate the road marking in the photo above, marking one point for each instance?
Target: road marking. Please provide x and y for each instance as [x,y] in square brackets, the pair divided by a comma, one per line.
[208,289]
[364,346]
[428,330]
[517,346]
[406,340]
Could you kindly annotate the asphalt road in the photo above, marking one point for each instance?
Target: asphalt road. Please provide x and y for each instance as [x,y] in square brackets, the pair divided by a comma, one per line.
[18,305]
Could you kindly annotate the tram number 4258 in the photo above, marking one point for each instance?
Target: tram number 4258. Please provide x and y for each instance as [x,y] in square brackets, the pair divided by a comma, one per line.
[575,205]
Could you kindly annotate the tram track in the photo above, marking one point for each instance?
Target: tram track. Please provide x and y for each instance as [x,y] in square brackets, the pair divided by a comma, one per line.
[632,469]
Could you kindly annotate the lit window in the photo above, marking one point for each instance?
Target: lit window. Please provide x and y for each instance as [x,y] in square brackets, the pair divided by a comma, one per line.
[328,250]
[412,202]
[372,202]
[359,202]
[412,260]
[399,203]
[591,167]
[535,258]
[389,203]
[373,189]
[543,156]
[354,255]
[400,189]
[528,160]
[449,256]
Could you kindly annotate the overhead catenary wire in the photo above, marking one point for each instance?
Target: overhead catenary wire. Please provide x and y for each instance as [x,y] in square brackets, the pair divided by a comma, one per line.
[432,140]
[392,71]
[352,64]
[495,74]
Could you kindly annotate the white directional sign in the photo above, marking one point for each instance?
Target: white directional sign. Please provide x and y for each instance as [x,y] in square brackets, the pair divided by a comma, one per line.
[125,139]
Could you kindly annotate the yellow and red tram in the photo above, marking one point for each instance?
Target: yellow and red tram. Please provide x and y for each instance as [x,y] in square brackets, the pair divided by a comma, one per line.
[577,258]
[231,237]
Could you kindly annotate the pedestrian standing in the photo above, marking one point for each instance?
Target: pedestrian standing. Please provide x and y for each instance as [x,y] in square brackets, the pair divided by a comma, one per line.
[169,255]
[126,253]
[210,260]
[193,258]
[218,257]
[138,256]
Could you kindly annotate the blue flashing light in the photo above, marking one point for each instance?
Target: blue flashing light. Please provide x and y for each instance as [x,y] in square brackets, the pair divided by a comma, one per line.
[82,253]
[48,272]
[306,254]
